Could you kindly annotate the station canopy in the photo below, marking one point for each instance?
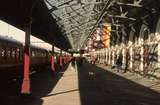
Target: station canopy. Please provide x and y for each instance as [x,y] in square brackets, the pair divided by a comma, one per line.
[76,18]
[19,12]
[69,23]
[66,23]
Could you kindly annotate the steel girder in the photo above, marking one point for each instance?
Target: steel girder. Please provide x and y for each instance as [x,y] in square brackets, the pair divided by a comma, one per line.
[125,13]
[76,17]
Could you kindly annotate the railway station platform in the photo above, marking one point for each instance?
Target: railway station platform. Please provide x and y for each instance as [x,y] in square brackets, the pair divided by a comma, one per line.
[119,33]
[89,85]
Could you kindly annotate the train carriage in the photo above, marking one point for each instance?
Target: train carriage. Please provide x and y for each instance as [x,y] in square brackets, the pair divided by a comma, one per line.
[39,56]
[11,57]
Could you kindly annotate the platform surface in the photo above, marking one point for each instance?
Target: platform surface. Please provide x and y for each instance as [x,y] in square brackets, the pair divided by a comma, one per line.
[88,85]
[66,91]
[98,85]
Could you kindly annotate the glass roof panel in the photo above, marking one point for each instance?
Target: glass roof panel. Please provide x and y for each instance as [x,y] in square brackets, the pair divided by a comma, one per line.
[76,18]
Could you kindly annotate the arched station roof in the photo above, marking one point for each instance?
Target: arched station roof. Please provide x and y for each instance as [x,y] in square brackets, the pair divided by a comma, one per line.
[69,23]
[17,12]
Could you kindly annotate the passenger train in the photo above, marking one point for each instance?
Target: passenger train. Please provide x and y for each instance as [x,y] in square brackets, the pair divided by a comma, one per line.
[11,57]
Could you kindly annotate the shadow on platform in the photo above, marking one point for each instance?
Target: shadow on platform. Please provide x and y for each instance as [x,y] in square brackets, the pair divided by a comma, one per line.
[41,85]
[69,91]
[101,87]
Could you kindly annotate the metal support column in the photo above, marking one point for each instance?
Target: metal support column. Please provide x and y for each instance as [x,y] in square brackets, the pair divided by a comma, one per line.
[65,58]
[52,60]
[26,80]
[61,62]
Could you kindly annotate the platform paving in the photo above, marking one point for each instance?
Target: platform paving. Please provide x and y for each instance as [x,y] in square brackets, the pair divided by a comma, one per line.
[88,85]
[66,91]
[98,85]
[151,83]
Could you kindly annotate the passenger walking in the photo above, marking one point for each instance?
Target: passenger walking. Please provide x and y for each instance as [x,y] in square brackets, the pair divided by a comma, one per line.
[127,59]
[80,61]
[93,61]
[73,62]
[119,62]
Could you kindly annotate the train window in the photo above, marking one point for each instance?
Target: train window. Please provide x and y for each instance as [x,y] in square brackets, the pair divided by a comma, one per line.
[33,54]
[45,54]
[17,53]
[41,54]
[37,53]
[3,52]
[8,53]
[13,53]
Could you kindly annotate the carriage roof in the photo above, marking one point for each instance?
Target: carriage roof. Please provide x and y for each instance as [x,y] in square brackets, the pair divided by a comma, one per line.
[10,41]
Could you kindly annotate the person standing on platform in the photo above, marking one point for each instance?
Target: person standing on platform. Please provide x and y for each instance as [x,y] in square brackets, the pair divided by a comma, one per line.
[127,59]
[73,62]
[119,62]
